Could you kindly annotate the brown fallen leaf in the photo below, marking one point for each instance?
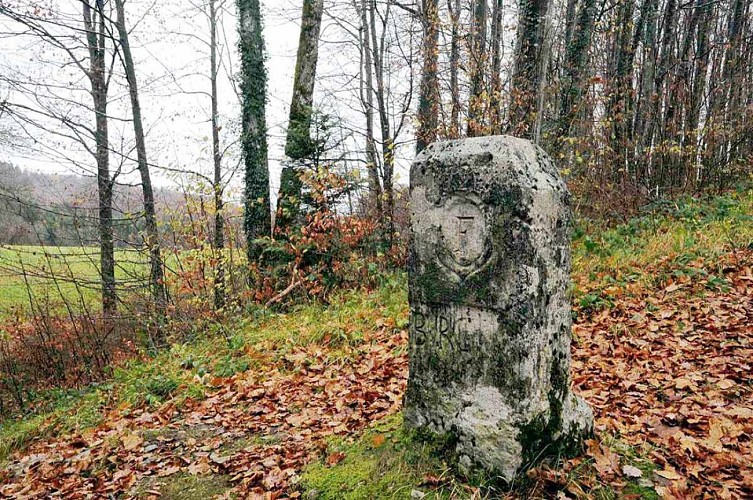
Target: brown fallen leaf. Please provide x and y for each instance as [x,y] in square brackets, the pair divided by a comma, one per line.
[378,440]
[169,471]
[131,441]
[200,467]
[714,441]
[631,471]
[668,474]
[335,458]
[726,383]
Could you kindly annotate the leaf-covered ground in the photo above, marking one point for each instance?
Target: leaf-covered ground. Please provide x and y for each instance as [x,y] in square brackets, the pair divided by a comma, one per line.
[300,405]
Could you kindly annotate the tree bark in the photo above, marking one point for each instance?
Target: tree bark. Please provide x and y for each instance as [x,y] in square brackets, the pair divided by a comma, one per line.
[157,278]
[257,218]
[218,241]
[428,101]
[495,119]
[478,67]
[453,7]
[298,144]
[96,36]
[529,68]
[388,156]
[367,99]
[575,65]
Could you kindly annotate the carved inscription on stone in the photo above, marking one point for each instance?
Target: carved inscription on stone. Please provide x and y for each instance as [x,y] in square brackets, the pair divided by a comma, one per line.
[453,338]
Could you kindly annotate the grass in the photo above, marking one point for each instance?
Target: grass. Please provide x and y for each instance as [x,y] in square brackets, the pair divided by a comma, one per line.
[180,373]
[184,486]
[684,230]
[679,234]
[385,462]
[55,274]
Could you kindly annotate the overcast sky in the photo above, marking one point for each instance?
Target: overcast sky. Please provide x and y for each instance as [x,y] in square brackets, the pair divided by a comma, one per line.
[171,56]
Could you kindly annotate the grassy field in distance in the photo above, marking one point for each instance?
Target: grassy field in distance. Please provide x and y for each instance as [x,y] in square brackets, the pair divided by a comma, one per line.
[52,273]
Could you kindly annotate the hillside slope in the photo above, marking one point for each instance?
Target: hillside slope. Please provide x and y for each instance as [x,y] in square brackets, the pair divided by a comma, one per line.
[307,403]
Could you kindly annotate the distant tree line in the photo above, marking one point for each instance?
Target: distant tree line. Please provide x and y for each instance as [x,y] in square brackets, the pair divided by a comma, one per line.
[639,99]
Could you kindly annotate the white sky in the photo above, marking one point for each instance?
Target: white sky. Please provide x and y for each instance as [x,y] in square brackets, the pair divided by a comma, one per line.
[168,39]
[172,59]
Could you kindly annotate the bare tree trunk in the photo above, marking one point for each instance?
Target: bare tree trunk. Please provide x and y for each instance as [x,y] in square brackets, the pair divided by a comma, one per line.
[570,12]
[388,156]
[298,143]
[496,79]
[367,99]
[529,64]
[701,67]
[648,78]
[678,102]
[96,37]
[218,241]
[453,6]
[478,66]
[157,277]
[428,101]
[575,64]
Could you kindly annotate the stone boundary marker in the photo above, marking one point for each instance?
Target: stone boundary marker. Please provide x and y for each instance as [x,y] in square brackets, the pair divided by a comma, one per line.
[490,327]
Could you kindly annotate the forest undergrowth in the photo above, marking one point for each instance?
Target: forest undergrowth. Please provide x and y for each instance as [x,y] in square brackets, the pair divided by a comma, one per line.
[306,402]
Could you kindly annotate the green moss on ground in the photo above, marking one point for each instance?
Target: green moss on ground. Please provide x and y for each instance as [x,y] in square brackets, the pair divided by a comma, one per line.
[184,486]
[385,462]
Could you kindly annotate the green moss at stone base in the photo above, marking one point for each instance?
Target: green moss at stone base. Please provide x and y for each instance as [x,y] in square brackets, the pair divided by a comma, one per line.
[387,461]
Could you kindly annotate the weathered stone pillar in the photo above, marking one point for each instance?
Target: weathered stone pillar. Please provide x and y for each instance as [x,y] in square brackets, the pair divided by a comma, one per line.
[490,326]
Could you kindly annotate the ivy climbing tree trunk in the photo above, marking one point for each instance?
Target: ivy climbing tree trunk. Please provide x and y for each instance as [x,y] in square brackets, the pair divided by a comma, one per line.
[157,278]
[218,240]
[253,86]
[298,144]
[529,68]
[428,100]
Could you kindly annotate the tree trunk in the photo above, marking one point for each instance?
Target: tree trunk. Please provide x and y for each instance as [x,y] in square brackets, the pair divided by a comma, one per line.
[678,101]
[156,274]
[257,218]
[388,157]
[96,37]
[453,7]
[478,67]
[495,119]
[218,242]
[367,99]
[428,100]
[298,144]
[575,65]
[570,12]
[529,68]
[646,92]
